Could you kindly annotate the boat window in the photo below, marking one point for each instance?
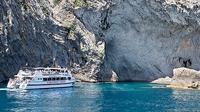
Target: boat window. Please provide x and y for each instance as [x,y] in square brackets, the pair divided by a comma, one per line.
[63,78]
[27,78]
[57,78]
[44,79]
[49,79]
[69,78]
[54,78]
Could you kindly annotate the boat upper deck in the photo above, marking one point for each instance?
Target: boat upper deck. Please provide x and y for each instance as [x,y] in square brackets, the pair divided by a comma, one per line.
[27,72]
[45,69]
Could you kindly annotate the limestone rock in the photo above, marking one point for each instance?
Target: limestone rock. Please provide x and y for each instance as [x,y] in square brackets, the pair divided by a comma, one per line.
[185,78]
[167,80]
[114,77]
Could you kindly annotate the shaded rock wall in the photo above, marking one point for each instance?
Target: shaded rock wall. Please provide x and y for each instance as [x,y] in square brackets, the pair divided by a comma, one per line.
[146,39]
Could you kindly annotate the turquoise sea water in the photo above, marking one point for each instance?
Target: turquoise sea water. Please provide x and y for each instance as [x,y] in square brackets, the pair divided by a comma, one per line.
[101,97]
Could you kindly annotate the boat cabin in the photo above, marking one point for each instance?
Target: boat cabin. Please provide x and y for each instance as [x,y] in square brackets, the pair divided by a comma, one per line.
[56,78]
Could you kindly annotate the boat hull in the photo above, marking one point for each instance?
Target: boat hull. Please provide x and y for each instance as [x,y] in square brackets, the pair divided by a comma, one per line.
[47,86]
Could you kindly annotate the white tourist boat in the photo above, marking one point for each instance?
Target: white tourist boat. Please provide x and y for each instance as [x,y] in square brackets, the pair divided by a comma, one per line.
[38,78]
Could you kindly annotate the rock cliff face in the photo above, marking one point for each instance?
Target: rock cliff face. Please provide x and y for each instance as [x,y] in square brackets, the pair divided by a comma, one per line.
[45,33]
[143,39]
[146,39]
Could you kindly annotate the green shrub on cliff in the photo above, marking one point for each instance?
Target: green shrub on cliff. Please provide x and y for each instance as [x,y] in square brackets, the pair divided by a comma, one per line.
[23,4]
[56,2]
[45,11]
[80,3]
[72,30]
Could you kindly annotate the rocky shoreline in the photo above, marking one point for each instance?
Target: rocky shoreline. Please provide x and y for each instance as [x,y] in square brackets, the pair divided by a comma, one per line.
[184,78]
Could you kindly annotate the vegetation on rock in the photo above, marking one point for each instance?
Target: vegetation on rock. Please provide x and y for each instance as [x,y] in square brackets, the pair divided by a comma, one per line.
[81,3]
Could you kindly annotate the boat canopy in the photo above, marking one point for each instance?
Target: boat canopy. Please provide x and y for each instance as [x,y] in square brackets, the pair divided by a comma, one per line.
[51,69]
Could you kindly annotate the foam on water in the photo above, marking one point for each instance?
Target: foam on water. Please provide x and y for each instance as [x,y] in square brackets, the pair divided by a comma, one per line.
[4,89]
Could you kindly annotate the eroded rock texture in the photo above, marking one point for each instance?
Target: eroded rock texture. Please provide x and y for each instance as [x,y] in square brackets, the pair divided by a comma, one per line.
[45,33]
[144,39]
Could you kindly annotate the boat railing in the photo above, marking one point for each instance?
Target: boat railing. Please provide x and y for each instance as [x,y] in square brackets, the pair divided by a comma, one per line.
[46,74]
